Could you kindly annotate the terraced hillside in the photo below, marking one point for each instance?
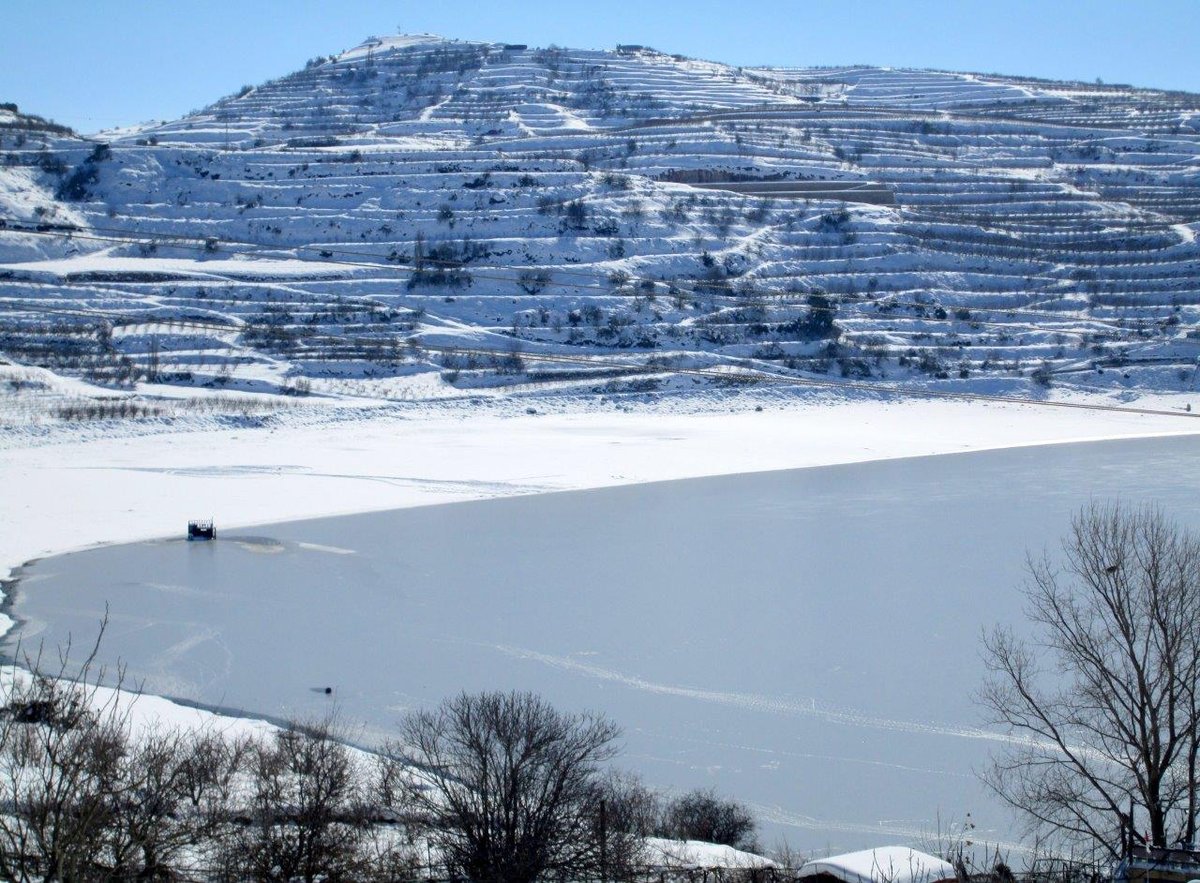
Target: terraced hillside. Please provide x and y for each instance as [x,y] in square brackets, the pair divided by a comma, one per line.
[421,218]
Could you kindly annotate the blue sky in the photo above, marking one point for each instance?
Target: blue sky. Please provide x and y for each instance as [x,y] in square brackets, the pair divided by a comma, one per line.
[97,63]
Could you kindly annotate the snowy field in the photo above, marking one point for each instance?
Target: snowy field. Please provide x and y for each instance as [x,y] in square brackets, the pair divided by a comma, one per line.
[806,640]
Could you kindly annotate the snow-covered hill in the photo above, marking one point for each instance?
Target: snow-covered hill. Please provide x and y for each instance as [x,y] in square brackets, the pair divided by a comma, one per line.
[424,218]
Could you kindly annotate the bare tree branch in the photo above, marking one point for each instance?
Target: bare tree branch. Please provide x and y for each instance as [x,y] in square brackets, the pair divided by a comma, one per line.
[1114,720]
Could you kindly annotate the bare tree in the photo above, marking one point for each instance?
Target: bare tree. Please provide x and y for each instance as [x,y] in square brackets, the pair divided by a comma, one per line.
[510,785]
[307,819]
[393,850]
[87,795]
[625,813]
[630,806]
[702,815]
[172,800]
[1102,700]
[61,745]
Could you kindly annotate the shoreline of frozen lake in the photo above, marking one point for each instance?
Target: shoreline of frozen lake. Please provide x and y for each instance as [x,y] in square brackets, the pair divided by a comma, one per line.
[64,495]
[803,640]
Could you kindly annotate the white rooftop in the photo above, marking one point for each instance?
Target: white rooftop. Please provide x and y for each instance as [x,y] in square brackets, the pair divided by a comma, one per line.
[700,854]
[884,864]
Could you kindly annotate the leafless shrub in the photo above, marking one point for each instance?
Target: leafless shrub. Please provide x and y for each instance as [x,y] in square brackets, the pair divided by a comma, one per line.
[533,281]
[89,797]
[511,785]
[627,813]
[703,815]
[61,746]
[307,818]
[173,799]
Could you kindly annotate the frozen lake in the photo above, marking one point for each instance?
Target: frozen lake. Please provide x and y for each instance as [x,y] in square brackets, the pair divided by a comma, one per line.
[806,641]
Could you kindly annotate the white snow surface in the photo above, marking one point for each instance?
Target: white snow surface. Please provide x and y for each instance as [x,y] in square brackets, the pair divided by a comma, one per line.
[146,713]
[884,864]
[388,43]
[237,266]
[699,854]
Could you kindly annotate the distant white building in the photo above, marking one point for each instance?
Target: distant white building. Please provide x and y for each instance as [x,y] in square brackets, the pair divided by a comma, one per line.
[884,864]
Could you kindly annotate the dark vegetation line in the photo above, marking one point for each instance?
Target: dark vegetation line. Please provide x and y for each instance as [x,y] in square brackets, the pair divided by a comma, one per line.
[603,361]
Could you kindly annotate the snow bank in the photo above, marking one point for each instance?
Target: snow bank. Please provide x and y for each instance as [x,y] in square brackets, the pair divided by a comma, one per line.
[884,864]
[237,267]
[699,854]
[146,713]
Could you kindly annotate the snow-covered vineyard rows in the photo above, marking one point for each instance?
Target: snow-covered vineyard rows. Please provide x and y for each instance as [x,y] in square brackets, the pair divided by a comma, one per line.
[419,217]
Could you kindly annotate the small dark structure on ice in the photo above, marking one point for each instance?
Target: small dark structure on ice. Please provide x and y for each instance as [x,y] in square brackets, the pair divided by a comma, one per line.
[202,530]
